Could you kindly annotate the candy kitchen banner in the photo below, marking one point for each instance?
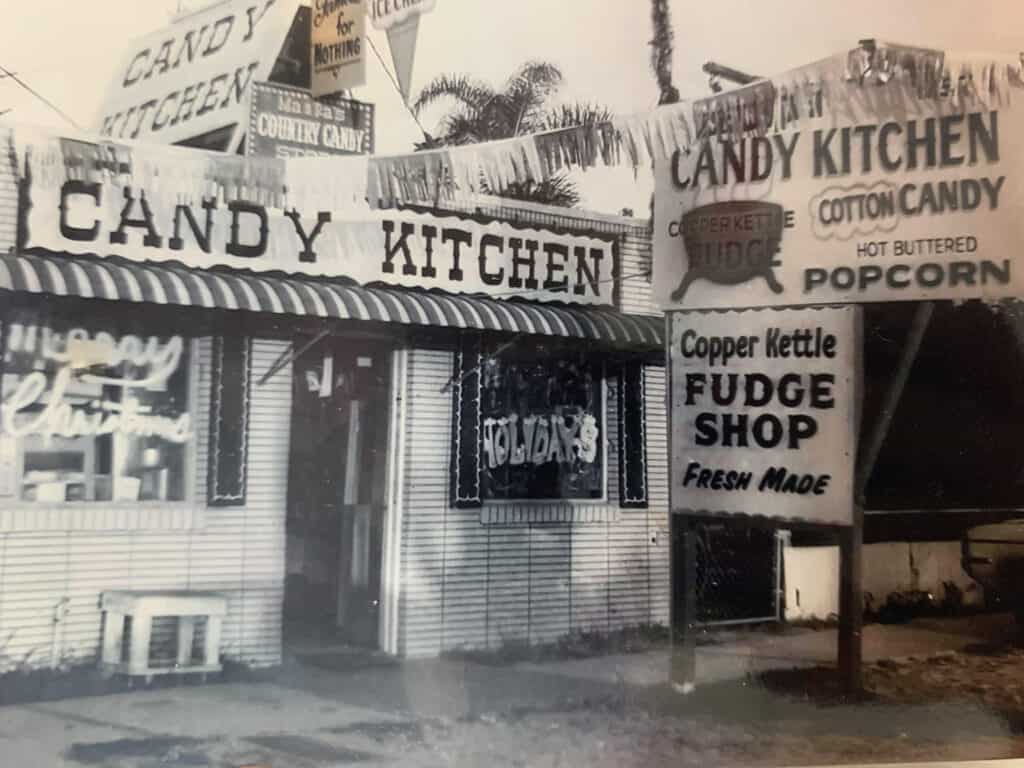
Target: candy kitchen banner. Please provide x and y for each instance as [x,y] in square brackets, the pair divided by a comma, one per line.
[763,413]
[927,204]
[192,77]
[338,51]
[287,122]
[208,210]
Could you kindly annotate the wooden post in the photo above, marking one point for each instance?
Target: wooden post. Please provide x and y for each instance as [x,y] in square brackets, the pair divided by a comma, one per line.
[851,540]
[683,559]
[851,602]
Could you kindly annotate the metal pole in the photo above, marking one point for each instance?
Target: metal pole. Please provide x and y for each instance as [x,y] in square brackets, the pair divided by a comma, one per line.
[851,539]
[683,671]
[728,73]
[922,316]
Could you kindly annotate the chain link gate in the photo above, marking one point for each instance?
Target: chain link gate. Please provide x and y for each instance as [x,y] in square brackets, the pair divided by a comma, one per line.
[739,572]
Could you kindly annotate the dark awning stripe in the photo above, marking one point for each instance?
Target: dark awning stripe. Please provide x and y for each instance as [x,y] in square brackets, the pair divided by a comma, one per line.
[154,283]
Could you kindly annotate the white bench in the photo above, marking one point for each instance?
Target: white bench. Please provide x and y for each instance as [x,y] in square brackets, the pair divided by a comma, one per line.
[143,606]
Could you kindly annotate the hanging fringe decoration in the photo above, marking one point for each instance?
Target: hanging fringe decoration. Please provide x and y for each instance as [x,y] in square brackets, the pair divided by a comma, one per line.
[873,82]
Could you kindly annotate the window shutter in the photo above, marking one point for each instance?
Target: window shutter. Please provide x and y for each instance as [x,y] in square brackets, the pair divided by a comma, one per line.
[229,421]
[632,443]
[465,470]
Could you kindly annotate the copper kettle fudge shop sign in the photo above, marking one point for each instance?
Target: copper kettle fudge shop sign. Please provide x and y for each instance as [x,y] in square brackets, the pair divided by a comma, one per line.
[763,413]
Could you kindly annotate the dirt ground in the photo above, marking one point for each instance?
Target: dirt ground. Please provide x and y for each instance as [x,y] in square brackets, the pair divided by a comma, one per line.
[953,706]
[949,705]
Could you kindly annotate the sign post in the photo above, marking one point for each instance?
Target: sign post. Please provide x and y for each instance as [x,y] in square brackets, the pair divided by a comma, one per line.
[851,540]
[764,408]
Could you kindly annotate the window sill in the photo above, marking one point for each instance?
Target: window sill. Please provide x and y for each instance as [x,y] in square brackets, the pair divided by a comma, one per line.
[101,516]
[521,513]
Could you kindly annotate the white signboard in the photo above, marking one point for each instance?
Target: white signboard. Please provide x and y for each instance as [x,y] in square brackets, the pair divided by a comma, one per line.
[153,218]
[338,50]
[899,209]
[192,77]
[764,413]
[401,19]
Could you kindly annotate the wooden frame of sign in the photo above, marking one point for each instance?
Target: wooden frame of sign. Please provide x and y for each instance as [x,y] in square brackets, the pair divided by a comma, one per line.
[848,528]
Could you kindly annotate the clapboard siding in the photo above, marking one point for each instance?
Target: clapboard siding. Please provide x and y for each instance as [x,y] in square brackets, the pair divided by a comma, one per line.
[428,426]
[237,550]
[657,483]
[8,191]
[467,585]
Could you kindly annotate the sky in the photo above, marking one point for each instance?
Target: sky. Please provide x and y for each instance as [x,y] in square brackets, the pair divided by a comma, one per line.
[69,52]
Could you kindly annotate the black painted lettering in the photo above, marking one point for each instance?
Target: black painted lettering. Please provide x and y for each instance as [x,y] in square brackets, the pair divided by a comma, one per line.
[202,236]
[86,189]
[236,247]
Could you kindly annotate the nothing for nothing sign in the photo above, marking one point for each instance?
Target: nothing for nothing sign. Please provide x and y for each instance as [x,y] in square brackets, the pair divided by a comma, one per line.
[764,413]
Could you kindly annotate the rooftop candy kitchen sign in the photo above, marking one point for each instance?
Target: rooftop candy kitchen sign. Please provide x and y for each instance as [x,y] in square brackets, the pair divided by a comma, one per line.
[923,206]
[165,204]
[192,77]
[763,413]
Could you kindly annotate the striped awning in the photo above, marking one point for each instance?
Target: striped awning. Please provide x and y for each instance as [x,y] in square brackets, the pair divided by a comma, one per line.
[170,284]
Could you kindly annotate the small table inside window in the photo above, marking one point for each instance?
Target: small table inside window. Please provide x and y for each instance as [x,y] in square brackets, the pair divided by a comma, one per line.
[143,606]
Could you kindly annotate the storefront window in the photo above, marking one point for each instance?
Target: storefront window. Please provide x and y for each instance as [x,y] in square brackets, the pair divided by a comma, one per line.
[93,413]
[541,423]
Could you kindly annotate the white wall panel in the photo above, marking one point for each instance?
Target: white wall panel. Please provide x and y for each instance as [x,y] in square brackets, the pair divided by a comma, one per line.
[237,550]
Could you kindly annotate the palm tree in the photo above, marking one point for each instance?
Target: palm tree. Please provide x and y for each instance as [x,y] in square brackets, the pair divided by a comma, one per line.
[661,63]
[661,52]
[480,112]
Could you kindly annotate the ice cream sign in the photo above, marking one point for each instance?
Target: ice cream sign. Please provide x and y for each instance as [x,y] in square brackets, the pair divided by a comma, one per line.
[63,392]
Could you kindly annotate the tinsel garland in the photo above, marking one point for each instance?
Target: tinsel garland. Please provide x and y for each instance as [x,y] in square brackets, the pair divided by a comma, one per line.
[870,83]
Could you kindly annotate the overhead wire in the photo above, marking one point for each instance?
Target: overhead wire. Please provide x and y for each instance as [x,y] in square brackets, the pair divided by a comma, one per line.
[398,89]
[7,73]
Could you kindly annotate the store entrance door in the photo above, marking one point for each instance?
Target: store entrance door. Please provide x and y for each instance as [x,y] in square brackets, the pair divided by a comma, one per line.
[337,492]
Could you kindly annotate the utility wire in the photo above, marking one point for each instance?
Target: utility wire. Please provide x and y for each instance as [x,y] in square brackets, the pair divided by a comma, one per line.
[7,73]
[398,88]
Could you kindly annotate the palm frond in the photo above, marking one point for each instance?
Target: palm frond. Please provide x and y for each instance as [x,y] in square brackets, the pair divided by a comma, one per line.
[463,89]
[460,128]
[558,191]
[527,91]
[570,115]
[537,76]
